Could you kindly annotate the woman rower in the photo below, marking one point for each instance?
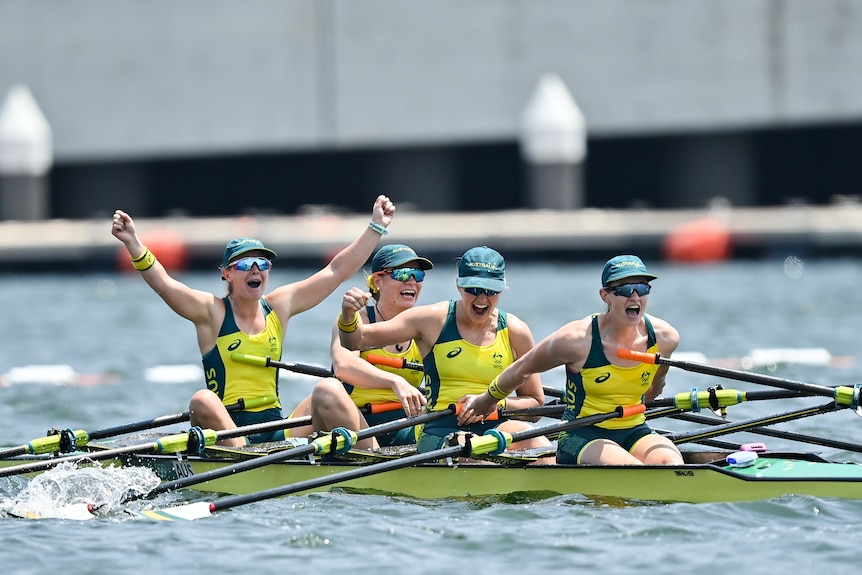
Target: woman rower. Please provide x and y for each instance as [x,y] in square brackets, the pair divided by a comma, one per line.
[596,380]
[395,283]
[464,343]
[246,320]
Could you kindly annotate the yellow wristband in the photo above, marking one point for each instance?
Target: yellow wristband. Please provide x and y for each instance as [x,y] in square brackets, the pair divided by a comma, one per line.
[145,262]
[501,404]
[495,391]
[348,327]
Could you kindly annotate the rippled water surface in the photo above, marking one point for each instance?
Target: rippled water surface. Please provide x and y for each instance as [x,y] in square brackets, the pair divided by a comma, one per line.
[113,328]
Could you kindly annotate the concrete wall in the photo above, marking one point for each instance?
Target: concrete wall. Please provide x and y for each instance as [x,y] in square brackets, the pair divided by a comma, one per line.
[123,79]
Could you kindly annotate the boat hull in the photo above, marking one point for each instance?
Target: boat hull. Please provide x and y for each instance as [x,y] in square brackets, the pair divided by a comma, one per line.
[769,477]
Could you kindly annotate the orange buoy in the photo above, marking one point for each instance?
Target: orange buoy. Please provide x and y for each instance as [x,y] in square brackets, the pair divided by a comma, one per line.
[703,240]
[168,247]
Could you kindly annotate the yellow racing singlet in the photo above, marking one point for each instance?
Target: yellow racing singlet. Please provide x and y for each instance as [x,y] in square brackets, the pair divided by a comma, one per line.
[364,395]
[456,367]
[232,380]
[601,387]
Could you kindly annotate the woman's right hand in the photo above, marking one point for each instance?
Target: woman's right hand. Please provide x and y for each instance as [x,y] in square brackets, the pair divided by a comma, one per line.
[411,398]
[122,227]
[354,300]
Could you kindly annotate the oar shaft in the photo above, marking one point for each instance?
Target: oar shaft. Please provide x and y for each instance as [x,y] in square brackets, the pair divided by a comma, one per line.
[293,453]
[777,433]
[56,442]
[172,419]
[267,361]
[168,444]
[655,358]
[734,427]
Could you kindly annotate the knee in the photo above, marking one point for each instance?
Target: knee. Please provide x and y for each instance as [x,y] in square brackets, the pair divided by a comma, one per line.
[327,391]
[203,400]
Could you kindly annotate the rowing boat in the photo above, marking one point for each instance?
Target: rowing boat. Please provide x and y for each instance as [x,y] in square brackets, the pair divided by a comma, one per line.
[726,472]
[705,477]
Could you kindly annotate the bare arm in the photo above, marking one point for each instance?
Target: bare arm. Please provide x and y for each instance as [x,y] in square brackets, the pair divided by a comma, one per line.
[421,324]
[194,305]
[530,393]
[668,340]
[566,346]
[351,368]
[297,297]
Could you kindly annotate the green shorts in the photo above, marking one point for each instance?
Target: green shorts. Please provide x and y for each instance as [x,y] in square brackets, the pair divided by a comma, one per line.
[572,443]
[434,433]
[243,418]
[404,436]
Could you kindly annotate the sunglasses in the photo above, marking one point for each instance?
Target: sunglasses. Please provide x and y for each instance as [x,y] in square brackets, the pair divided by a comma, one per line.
[474,291]
[245,264]
[626,290]
[403,274]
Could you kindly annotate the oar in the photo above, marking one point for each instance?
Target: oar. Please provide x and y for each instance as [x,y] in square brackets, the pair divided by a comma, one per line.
[789,435]
[339,440]
[695,400]
[68,441]
[490,443]
[746,425]
[196,437]
[844,395]
[316,370]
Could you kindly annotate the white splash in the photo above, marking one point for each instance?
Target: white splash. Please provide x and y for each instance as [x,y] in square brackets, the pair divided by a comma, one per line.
[64,491]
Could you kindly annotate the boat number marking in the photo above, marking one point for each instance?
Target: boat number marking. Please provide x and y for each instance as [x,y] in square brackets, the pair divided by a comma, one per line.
[183,469]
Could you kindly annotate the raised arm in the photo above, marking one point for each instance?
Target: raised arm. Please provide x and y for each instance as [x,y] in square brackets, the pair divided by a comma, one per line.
[194,305]
[291,299]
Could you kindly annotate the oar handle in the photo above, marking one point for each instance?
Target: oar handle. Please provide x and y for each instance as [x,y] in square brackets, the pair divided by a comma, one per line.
[369,408]
[641,356]
[493,416]
[396,362]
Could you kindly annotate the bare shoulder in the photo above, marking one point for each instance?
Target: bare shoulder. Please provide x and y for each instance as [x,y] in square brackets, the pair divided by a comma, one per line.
[570,344]
[281,299]
[666,334]
[516,324]
[577,333]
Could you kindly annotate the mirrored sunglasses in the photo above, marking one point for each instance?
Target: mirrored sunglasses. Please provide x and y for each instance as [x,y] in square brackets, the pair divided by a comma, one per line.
[403,274]
[245,264]
[474,291]
[626,290]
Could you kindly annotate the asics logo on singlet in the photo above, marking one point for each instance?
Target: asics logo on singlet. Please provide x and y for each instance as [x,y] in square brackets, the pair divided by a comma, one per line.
[603,378]
[234,345]
[454,353]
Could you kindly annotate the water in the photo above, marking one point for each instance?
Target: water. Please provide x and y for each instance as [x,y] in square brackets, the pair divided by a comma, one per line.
[113,324]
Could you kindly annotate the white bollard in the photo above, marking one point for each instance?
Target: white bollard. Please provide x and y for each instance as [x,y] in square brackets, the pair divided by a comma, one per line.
[554,145]
[26,156]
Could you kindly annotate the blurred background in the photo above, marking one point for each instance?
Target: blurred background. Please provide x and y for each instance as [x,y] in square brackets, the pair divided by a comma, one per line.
[216,108]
